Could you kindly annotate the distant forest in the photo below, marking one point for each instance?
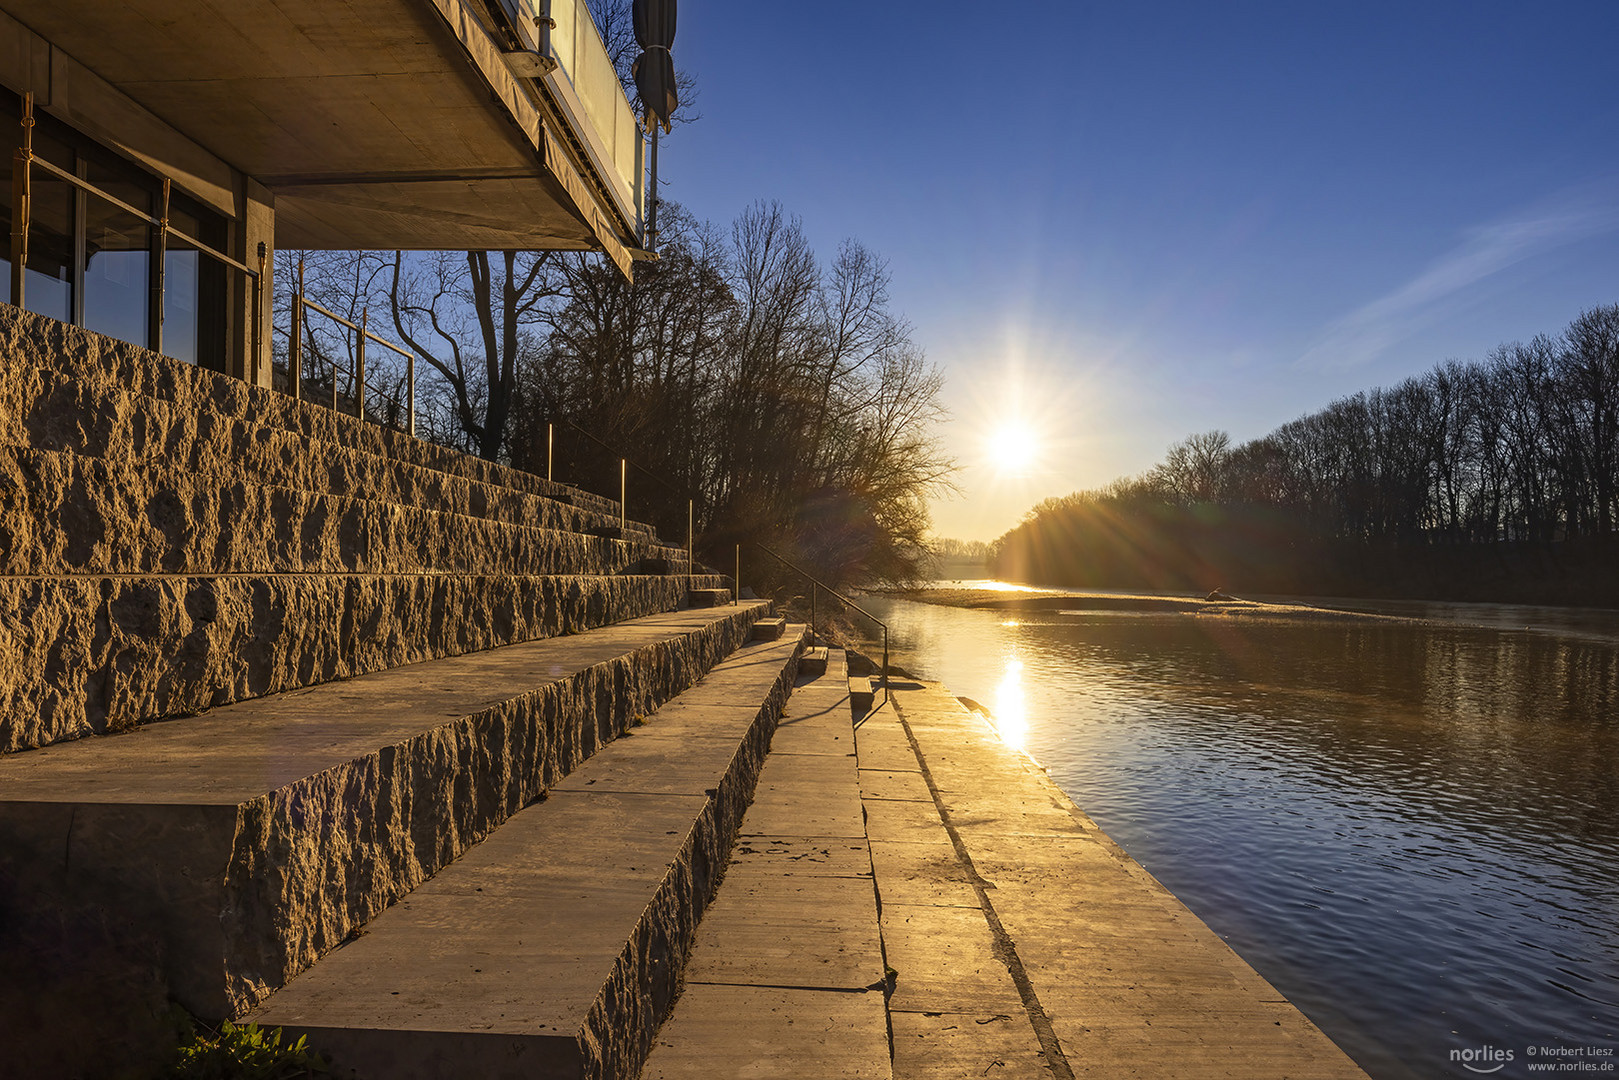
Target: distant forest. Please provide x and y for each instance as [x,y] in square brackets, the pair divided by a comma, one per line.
[1490,480]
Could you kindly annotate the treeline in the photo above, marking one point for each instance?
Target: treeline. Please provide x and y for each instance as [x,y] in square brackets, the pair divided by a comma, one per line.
[782,395]
[1496,479]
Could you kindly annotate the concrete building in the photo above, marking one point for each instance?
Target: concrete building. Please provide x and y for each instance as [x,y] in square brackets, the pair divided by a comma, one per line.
[338,124]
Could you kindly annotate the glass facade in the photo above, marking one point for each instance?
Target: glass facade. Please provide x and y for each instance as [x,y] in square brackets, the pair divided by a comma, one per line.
[93,263]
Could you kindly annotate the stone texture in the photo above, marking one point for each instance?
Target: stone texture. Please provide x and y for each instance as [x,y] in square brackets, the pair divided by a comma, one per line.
[40,353]
[1120,975]
[253,852]
[786,978]
[84,655]
[555,947]
[68,513]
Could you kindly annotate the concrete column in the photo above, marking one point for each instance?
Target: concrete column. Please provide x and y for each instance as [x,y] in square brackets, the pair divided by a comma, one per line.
[255,224]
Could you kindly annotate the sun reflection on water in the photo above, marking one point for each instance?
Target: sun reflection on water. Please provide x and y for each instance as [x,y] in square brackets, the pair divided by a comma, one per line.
[1011,706]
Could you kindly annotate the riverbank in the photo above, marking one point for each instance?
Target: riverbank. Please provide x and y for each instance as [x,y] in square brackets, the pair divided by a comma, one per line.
[932,906]
[1033,600]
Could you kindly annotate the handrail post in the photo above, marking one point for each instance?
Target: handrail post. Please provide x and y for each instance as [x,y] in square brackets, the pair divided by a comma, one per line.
[22,200]
[691,519]
[410,375]
[550,448]
[736,582]
[815,595]
[623,483]
[886,691]
[162,261]
[359,366]
[258,310]
[295,360]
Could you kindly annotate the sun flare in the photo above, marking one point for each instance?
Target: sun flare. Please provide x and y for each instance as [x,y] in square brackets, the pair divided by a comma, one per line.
[1013,448]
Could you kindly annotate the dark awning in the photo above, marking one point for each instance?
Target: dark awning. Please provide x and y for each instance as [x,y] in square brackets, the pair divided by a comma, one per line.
[654,69]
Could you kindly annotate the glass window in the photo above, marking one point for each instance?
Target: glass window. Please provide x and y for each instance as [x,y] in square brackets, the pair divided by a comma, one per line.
[118,254]
[48,288]
[91,262]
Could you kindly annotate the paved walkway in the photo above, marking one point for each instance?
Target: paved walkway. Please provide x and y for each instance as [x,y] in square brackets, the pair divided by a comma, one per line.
[1020,940]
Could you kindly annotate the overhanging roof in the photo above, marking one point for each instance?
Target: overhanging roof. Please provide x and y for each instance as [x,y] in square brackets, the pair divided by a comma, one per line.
[376,123]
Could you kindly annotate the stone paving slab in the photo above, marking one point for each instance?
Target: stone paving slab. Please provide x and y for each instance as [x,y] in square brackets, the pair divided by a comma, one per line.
[957,1046]
[253,839]
[554,948]
[1127,981]
[771,1033]
[786,977]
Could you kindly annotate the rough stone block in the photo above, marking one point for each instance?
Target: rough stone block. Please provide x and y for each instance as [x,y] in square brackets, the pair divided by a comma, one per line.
[251,841]
[769,629]
[86,655]
[555,948]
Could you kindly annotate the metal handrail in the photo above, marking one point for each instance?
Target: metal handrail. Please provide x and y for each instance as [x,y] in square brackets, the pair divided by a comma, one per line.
[362,328]
[23,164]
[817,583]
[624,463]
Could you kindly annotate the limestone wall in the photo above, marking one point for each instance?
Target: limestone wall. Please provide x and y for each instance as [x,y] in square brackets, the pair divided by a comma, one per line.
[173,539]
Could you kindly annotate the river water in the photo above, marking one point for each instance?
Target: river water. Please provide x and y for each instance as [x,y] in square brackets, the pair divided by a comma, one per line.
[1411,828]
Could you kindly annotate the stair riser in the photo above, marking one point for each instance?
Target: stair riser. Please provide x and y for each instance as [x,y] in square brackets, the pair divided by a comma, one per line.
[85,656]
[621,1024]
[637,1000]
[244,898]
[33,346]
[105,422]
[76,515]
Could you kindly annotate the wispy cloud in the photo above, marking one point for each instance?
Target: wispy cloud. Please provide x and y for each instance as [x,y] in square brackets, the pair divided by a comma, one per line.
[1567,217]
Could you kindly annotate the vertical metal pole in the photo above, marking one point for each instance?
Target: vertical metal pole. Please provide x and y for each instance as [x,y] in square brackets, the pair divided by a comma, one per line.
[550,447]
[815,595]
[886,691]
[652,199]
[691,518]
[158,278]
[22,200]
[296,359]
[736,582]
[623,480]
[258,314]
[410,374]
[359,365]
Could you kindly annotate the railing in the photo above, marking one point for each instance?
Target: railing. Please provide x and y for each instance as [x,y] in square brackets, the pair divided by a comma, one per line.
[295,355]
[23,166]
[815,585]
[564,31]
[624,465]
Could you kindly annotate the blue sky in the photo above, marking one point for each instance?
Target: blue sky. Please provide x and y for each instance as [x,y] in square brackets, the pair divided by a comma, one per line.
[1118,224]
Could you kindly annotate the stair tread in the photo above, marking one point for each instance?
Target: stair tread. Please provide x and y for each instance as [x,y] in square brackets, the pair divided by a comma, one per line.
[240,751]
[520,936]
[791,940]
[252,839]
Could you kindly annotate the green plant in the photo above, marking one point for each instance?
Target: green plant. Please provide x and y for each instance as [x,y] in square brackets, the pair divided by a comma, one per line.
[246,1053]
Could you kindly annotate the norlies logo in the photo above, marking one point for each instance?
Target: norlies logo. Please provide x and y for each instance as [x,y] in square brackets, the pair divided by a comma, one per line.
[1484,1059]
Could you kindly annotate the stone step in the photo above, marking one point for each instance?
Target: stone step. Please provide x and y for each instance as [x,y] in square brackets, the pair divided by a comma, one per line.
[555,947]
[787,974]
[815,660]
[40,353]
[708,597]
[860,695]
[92,655]
[73,514]
[108,422]
[249,841]
[769,629]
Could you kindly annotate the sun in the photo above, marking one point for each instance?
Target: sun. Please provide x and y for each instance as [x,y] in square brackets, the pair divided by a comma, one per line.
[1013,448]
